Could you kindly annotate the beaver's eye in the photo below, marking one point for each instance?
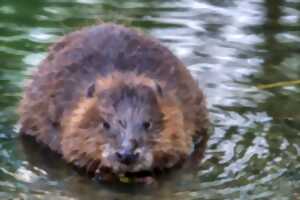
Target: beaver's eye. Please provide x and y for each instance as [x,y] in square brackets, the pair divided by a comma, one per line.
[106,125]
[147,125]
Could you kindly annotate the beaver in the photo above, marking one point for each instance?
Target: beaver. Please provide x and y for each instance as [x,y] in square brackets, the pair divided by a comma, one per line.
[110,99]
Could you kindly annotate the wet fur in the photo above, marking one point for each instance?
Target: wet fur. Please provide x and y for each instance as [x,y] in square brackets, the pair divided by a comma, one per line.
[56,109]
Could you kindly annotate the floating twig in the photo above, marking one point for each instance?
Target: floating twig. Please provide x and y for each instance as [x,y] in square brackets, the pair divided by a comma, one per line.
[278,84]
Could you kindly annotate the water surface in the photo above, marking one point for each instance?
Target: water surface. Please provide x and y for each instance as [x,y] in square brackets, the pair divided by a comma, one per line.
[230,47]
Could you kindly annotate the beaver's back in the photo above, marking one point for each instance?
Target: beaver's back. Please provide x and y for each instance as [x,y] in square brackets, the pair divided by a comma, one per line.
[75,62]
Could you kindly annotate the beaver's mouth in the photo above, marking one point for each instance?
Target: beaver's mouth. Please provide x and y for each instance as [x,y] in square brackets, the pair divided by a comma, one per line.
[142,176]
[139,174]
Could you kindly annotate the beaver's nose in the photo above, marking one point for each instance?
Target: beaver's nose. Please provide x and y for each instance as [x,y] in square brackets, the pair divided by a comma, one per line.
[127,157]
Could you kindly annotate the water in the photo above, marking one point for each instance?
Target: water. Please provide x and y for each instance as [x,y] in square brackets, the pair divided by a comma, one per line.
[230,46]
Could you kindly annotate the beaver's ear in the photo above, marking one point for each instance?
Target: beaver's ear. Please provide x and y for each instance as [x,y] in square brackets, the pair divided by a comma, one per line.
[90,91]
[159,89]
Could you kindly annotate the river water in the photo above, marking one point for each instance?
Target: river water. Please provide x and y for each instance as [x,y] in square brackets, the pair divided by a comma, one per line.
[233,48]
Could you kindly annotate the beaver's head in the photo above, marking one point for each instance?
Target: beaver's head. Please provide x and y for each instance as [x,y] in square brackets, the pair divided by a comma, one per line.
[125,123]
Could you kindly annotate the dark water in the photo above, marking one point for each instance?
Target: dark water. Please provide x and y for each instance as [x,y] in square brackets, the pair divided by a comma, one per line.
[230,46]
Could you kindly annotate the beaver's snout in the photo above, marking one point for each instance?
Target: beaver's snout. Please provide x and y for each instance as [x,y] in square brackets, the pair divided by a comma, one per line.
[127,157]
[126,153]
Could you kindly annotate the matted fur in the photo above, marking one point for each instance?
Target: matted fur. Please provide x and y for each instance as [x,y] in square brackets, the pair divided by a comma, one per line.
[55,108]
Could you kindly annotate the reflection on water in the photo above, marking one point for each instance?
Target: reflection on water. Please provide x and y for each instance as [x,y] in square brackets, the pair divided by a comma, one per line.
[230,47]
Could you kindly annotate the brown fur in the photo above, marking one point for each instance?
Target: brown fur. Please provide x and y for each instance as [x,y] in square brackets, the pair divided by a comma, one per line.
[57,112]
